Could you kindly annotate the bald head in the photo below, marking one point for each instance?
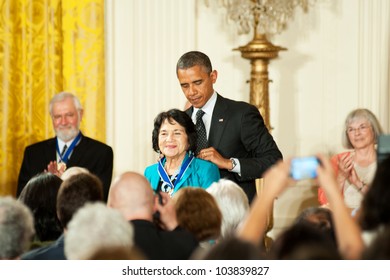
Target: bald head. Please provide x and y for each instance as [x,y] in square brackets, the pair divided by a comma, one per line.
[132,195]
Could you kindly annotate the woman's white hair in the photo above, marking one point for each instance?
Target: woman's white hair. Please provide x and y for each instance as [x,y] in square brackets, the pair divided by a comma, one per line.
[233,203]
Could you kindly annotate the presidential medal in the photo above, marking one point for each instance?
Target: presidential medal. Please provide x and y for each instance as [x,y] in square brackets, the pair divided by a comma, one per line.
[61,166]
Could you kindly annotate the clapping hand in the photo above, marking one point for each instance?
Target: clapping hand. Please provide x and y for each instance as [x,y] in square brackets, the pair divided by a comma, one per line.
[55,169]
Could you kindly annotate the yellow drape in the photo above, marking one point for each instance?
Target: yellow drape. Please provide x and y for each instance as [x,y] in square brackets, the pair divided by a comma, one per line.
[47,46]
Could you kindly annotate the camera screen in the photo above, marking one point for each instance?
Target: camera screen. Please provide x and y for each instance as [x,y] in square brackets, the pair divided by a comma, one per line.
[304,168]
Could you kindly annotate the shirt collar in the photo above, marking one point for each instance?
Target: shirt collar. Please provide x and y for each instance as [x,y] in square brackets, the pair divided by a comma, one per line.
[209,106]
[61,143]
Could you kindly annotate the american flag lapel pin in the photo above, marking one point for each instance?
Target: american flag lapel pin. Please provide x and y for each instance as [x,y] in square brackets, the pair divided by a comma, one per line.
[220,120]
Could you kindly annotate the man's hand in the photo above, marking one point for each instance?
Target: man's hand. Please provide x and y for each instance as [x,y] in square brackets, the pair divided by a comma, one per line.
[55,169]
[211,154]
[168,220]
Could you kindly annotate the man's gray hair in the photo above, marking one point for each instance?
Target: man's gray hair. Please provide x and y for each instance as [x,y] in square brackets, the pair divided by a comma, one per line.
[61,97]
[95,227]
[16,228]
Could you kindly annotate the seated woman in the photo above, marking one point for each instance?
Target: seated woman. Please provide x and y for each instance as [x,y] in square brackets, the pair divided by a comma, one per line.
[174,137]
[355,168]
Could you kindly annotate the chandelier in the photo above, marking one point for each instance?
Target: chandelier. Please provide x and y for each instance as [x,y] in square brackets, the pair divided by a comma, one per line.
[267,17]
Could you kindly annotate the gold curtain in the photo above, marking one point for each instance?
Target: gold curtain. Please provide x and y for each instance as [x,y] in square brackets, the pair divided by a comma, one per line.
[47,46]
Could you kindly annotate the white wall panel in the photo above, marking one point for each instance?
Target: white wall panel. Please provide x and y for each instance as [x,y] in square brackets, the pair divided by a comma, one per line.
[145,38]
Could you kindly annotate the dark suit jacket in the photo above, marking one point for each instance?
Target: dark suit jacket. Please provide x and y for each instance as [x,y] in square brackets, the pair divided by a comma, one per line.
[54,251]
[89,153]
[238,131]
[158,244]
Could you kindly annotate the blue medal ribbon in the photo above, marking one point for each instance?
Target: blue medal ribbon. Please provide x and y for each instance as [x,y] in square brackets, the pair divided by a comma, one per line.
[165,177]
[65,157]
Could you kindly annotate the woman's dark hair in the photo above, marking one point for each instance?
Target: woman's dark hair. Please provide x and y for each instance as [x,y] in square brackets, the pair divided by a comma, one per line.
[375,205]
[182,119]
[40,195]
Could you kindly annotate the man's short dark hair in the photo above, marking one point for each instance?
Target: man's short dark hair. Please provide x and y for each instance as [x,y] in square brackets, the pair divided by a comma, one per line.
[193,58]
[75,192]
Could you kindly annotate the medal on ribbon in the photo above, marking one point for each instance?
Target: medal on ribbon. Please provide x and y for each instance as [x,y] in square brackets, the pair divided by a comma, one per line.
[64,157]
[61,166]
[167,183]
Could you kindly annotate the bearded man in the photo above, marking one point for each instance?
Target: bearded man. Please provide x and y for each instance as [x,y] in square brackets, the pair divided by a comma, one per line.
[69,148]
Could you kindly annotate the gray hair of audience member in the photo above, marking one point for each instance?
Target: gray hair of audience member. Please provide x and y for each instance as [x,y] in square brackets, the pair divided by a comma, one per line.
[233,203]
[361,114]
[61,97]
[95,227]
[16,228]
[74,170]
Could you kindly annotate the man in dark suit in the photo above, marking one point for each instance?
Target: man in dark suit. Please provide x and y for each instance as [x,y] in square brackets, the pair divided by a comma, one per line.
[238,141]
[76,149]
[132,195]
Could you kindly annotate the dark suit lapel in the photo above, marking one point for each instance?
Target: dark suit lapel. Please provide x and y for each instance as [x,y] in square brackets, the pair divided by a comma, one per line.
[218,121]
[189,111]
[50,154]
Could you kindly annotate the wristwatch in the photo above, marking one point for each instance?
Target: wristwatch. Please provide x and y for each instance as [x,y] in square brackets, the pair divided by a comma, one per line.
[234,163]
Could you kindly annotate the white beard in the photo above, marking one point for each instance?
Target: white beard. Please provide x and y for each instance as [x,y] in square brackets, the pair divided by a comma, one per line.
[67,134]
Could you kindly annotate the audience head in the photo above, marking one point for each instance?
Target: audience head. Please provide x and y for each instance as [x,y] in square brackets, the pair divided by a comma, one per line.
[233,203]
[182,126]
[66,114]
[233,248]
[198,212]
[304,241]
[73,171]
[16,228]
[132,195]
[379,248]
[320,217]
[375,207]
[96,227]
[366,121]
[75,192]
[40,195]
